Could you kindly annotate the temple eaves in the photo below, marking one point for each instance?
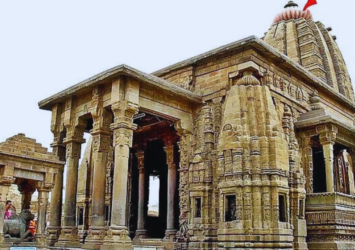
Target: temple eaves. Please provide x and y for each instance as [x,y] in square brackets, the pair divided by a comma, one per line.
[117,71]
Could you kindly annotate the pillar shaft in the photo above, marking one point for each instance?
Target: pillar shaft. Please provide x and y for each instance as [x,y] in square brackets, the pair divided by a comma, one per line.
[141,232]
[100,147]
[73,156]
[117,236]
[329,166]
[56,201]
[171,196]
[26,200]
[327,136]
[4,189]
[101,144]
[350,157]
[98,191]
[55,221]
[141,191]
[120,179]
[172,174]
[41,221]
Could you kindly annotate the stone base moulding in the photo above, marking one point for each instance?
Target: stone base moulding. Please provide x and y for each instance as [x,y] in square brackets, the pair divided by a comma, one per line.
[95,238]
[68,238]
[117,238]
[53,234]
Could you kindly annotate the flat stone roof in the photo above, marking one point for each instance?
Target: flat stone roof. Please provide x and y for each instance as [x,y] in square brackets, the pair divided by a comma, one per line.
[114,72]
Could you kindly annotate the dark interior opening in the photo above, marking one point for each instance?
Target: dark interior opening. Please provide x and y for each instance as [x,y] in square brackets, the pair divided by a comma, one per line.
[155,164]
[230,213]
[319,174]
[152,132]
[198,207]
[282,208]
[107,213]
[89,124]
[81,216]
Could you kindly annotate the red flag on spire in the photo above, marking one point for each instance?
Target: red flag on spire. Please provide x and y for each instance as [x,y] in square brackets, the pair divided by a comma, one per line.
[309,4]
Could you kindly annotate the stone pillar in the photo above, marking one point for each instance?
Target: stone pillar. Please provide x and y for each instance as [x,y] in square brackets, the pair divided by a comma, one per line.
[117,235]
[327,135]
[125,99]
[26,200]
[43,194]
[100,148]
[69,235]
[55,223]
[172,174]
[26,188]
[4,190]
[55,210]
[141,232]
[351,158]
[329,165]
[307,163]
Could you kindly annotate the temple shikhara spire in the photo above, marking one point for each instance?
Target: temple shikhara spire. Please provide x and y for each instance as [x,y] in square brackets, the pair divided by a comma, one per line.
[247,146]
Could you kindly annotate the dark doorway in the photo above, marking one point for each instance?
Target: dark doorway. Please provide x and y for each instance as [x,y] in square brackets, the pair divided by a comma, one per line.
[156,169]
[319,174]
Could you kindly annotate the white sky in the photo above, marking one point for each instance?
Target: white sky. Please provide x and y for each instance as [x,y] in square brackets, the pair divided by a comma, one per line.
[47,46]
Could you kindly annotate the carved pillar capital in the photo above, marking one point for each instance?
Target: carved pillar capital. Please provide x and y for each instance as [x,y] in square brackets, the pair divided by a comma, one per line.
[7,180]
[73,150]
[26,187]
[183,127]
[58,150]
[123,137]
[327,133]
[75,134]
[169,150]
[101,142]
[123,114]
[101,117]
[44,187]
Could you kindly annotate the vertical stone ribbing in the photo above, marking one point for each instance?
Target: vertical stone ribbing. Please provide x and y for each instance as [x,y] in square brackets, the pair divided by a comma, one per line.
[292,41]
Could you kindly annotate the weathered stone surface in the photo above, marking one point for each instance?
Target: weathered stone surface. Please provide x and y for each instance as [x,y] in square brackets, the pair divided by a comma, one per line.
[31,167]
[265,134]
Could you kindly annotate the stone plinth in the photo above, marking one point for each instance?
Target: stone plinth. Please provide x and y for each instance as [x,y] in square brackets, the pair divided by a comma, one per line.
[330,221]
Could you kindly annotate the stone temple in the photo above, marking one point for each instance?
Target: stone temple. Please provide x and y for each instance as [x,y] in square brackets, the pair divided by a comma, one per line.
[248,146]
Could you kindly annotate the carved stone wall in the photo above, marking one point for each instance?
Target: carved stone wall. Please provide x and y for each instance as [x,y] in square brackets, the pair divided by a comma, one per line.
[253,165]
